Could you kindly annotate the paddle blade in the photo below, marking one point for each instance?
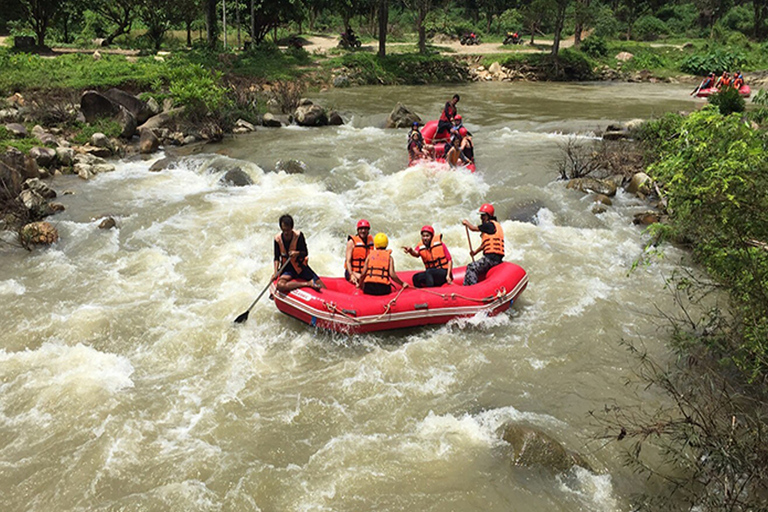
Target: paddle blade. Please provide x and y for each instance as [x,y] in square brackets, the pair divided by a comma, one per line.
[242,318]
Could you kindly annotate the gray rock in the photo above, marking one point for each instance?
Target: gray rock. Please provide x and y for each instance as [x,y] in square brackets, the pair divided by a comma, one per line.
[305,102]
[533,448]
[602,199]
[95,105]
[9,115]
[620,134]
[43,156]
[401,117]
[341,81]
[131,103]
[310,115]
[35,203]
[11,169]
[65,155]
[107,223]
[96,151]
[85,171]
[38,131]
[271,120]
[189,139]
[17,130]
[149,142]
[242,123]
[167,105]
[586,185]
[526,211]
[334,119]
[168,162]
[153,107]
[163,120]
[100,140]
[640,183]
[40,188]
[291,166]
[647,218]
[237,177]
[101,168]
[48,140]
[127,122]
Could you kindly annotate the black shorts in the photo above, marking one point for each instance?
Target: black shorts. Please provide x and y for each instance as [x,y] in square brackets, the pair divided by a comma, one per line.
[377,289]
[306,274]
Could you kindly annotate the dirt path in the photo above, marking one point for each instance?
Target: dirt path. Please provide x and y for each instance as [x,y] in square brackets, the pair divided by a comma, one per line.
[321,44]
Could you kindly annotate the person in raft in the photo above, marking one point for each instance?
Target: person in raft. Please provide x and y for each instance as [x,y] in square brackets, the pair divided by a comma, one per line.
[454,155]
[445,123]
[358,248]
[707,83]
[291,246]
[379,269]
[492,245]
[437,260]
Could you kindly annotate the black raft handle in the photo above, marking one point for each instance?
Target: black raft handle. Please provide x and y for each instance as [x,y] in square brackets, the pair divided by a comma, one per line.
[421,306]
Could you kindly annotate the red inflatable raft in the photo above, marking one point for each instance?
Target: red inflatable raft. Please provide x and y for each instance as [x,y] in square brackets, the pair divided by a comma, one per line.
[744,90]
[341,307]
[428,133]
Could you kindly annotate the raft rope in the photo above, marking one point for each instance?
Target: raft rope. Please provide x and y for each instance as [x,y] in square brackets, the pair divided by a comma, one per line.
[331,306]
[500,293]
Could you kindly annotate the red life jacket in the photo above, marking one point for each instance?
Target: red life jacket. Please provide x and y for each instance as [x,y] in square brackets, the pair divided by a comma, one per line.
[449,112]
[297,265]
[434,256]
[493,244]
[359,252]
[378,266]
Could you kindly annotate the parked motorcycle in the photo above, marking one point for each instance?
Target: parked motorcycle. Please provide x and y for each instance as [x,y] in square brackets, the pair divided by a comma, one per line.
[469,39]
[513,38]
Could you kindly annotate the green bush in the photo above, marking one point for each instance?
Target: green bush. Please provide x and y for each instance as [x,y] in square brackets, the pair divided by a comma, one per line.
[606,24]
[595,46]
[108,127]
[680,19]
[727,100]
[760,114]
[716,60]
[740,18]
[649,28]
[196,87]
[510,21]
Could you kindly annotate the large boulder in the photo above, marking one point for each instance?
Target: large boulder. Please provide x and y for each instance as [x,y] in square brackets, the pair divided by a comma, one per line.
[127,122]
[310,115]
[164,119]
[237,178]
[35,203]
[402,117]
[526,211]
[149,141]
[39,187]
[335,119]
[593,185]
[17,130]
[95,105]
[274,120]
[38,233]
[43,156]
[640,183]
[140,109]
[533,448]
[11,169]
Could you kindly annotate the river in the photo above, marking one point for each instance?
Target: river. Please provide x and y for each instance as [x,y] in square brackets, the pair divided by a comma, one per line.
[125,384]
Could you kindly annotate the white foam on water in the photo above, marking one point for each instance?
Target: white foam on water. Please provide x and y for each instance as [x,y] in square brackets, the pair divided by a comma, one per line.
[594,491]
[12,287]
[54,374]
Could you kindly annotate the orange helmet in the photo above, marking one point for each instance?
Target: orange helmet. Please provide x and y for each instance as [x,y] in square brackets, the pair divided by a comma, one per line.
[488,209]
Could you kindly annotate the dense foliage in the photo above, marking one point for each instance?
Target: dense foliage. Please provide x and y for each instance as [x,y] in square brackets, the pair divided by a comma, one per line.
[713,170]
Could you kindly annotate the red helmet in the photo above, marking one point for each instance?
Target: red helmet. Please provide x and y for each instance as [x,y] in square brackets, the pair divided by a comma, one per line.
[428,229]
[457,117]
[362,223]
[487,208]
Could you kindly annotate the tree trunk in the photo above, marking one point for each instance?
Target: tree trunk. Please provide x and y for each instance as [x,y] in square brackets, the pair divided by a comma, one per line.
[211,21]
[577,34]
[383,22]
[189,33]
[237,12]
[422,13]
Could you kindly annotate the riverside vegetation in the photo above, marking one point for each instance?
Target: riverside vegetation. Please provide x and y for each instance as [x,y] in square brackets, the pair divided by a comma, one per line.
[710,168]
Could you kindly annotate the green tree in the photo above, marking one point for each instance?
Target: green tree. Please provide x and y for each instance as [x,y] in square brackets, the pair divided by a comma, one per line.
[39,14]
[560,10]
[158,16]
[421,8]
[120,13]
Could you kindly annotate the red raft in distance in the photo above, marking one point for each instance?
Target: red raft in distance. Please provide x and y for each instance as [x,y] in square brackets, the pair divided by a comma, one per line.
[744,90]
[342,307]
[428,133]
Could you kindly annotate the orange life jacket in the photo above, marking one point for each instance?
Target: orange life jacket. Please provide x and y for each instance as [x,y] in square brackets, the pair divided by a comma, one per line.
[434,256]
[360,252]
[297,265]
[738,82]
[493,244]
[378,266]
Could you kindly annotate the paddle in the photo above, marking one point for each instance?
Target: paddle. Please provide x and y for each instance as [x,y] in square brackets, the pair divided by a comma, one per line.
[469,241]
[243,317]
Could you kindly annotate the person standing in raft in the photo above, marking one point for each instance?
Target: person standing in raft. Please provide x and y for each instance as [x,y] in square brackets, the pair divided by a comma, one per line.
[358,248]
[437,260]
[379,269]
[707,83]
[445,123]
[492,245]
[291,245]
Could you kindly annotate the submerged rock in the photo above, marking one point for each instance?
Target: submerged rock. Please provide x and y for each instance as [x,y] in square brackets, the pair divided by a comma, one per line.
[237,177]
[586,185]
[526,211]
[531,447]
[291,166]
[402,117]
[107,223]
